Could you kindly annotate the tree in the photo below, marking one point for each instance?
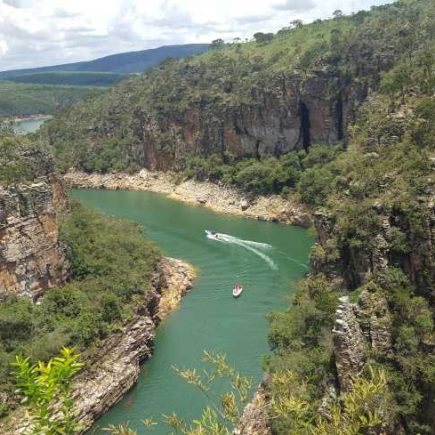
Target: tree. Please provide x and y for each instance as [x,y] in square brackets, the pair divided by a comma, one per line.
[296,24]
[263,38]
[46,389]
[338,13]
[217,43]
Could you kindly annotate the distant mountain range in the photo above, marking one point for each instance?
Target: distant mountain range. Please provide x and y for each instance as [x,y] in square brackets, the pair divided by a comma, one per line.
[84,73]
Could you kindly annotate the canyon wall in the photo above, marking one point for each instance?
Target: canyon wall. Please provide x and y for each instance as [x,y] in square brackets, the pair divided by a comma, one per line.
[293,114]
[32,258]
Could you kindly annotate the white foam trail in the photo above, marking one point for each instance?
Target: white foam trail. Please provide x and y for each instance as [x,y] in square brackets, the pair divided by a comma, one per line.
[225,238]
[246,242]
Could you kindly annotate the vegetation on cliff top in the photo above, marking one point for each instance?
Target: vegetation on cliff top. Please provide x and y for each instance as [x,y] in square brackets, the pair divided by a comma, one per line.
[67,78]
[27,99]
[112,266]
[14,162]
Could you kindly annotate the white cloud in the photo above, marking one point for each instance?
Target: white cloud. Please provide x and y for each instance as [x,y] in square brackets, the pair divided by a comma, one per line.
[45,32]
[295,5]
[3,48]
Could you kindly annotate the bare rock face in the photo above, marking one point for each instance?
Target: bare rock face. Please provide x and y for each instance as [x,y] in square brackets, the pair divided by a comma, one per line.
[328,399]
[244,204]
[255,419]
[32,258]
[348,344]
[375,321]
[291,114]
[113,369]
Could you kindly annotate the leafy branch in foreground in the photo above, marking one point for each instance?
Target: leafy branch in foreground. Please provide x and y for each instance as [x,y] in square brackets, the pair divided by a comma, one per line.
[46,389]
[363,409]
[223,411]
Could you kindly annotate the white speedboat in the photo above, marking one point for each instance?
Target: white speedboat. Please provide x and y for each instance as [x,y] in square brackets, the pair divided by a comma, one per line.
[237,290]
[211,234]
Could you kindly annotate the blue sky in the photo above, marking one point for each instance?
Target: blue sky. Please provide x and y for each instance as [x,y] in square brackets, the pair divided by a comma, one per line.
[46,32]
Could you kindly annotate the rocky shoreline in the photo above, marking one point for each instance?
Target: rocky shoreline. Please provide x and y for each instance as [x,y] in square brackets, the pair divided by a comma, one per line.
[221,199]
[113,367]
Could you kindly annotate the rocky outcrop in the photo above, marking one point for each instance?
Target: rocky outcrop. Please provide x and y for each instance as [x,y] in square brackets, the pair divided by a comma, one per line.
[291,114]
[255,419]
[348,344]
[218,198]
[32,258]
[394,241]
[114,366]
[376,321]
[357,326]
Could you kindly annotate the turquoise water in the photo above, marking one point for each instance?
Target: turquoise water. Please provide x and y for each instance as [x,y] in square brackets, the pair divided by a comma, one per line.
[209,318]
[28,126]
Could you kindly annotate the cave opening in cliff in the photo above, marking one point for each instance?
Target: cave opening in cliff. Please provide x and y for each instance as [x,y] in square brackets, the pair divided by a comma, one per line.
[304,114]
[339,111]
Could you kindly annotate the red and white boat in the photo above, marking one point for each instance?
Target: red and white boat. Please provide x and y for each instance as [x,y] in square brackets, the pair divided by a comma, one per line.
[237,290]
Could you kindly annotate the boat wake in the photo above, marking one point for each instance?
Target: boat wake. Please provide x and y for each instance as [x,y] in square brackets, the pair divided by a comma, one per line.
[254,247]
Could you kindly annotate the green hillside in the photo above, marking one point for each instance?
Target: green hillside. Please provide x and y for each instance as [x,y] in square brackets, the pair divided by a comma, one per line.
[28,99]
[70,78]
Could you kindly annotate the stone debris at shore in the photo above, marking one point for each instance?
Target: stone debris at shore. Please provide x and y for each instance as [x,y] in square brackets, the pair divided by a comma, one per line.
[218,198]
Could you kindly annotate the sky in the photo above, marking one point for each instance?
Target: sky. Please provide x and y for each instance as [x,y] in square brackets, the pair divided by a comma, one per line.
[48,32]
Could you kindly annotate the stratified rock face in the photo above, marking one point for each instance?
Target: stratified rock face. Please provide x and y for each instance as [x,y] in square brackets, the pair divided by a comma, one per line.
[113,369]
[31,256]
[255,419]
[115,366]
[348,344]
[294,114]
[375,320]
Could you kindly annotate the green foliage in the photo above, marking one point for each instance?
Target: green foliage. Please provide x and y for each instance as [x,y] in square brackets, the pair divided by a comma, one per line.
[263,38]
[223,411]
[28,99]
[315,184]
[15,167]
[65,78]
[364,409]
[112,265]
[45,389]
[307,172]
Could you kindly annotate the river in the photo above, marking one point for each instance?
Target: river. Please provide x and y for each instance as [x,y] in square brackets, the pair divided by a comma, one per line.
[266,258]
[28,125]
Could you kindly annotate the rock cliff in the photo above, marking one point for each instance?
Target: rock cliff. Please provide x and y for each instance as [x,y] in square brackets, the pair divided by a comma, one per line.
[292,114]
[114,367]
[348,344]
[32,258]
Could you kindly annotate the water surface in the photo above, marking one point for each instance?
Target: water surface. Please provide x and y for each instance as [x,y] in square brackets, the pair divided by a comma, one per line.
[209,318]
[28,125]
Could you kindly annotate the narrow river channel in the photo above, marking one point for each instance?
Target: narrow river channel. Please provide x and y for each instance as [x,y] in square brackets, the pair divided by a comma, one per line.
[266,258]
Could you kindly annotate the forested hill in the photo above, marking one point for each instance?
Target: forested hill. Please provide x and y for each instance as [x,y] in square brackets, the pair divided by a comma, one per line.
[122,63]
[281,92]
